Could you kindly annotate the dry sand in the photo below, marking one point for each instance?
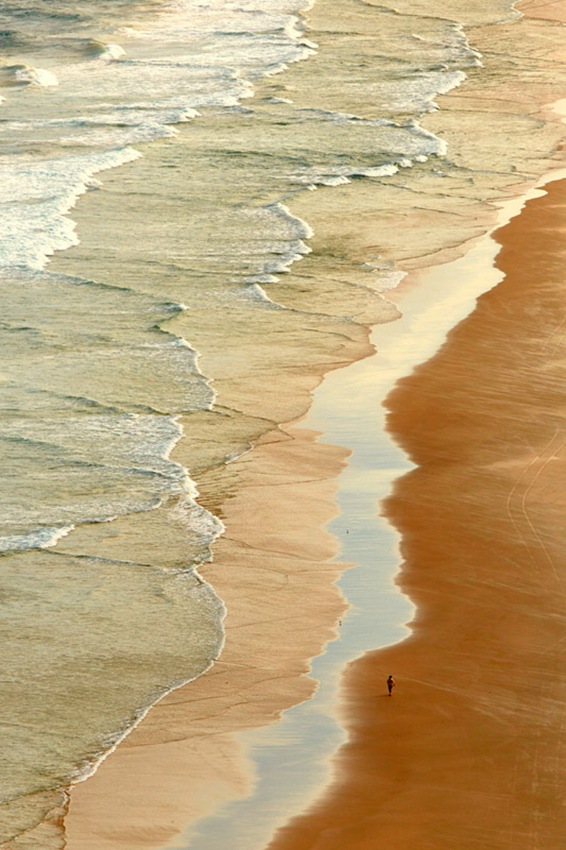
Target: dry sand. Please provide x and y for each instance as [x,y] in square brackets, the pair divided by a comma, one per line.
[468,752]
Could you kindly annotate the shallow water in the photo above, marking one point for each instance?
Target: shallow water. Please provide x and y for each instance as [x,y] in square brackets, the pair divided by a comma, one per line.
[201,267]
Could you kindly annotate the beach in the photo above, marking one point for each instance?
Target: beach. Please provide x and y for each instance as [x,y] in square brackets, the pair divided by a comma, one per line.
[467,751]
[298,427]
[439,763]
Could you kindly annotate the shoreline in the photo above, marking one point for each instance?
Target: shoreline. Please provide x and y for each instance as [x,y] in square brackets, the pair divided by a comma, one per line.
[238,783]
[242,689]
[440,764]
[155,746]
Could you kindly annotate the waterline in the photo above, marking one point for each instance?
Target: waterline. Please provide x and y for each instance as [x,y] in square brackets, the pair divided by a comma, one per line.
[293,758]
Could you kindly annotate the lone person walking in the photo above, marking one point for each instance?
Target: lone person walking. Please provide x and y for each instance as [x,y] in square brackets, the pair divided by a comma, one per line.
[390,684]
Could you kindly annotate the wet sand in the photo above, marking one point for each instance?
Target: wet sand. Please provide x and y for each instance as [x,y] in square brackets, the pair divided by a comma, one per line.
[181,763]
[468,751]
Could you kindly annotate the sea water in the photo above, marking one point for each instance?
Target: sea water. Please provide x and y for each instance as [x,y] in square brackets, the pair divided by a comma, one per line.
[144,328]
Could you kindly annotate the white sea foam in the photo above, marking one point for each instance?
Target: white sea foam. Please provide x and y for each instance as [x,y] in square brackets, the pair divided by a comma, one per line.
[258,279]
[341,175]
[417,94]
[26,75]
[111,52]
[258,38]
[281,238]
[36,77]
[200,521]
[42,538]
[255,292]
[35,197]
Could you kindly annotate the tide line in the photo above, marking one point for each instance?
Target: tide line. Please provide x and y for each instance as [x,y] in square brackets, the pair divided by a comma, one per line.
[293,758]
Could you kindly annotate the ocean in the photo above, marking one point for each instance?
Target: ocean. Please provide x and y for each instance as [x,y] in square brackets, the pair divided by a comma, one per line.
[200,201]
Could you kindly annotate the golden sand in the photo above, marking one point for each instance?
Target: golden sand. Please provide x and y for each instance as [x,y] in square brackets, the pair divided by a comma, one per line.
[468,751]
